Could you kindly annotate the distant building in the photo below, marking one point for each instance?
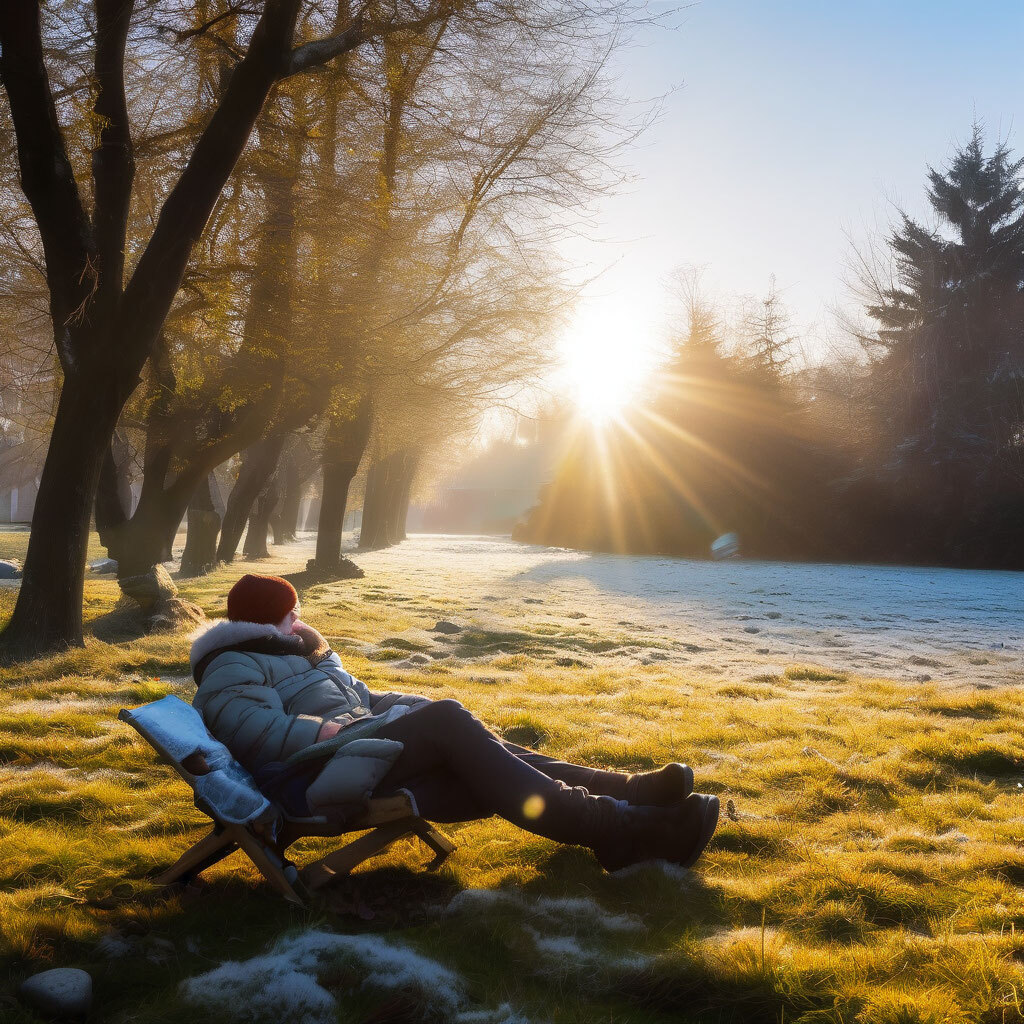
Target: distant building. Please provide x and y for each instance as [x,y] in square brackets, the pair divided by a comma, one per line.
[21,465]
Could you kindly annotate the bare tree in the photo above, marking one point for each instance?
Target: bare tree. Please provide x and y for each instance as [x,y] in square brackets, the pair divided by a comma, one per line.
[106,320]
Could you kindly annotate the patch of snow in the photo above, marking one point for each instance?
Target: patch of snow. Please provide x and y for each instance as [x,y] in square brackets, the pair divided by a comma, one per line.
[567,950]
[503,1014]
[674,871]
[281,985]
[565,911]
[563,946]
[588,909]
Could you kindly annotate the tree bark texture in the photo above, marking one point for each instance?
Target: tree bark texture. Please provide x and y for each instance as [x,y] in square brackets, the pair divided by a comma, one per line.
[258,463]
[200,554]
[386,504]
[344,445]
[259,520]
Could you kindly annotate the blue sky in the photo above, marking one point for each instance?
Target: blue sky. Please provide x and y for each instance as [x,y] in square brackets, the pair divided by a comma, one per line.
[795,123]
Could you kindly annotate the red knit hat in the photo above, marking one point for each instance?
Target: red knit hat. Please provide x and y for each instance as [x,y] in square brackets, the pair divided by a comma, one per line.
[264,599]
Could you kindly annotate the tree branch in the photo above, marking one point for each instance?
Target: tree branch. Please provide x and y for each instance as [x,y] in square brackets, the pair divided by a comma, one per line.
[321,51]
[47,177]
[158,275]
[113,161]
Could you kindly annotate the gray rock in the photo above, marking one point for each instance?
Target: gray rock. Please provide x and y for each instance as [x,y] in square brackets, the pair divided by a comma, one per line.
[446,627]
[104,565]
[9,570]
[150,589]
[62,992]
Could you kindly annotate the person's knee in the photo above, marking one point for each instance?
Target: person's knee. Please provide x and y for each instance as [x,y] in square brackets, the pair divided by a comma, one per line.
[448,717]
[449,710]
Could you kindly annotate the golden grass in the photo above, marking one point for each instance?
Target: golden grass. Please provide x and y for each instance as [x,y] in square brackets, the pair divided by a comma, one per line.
[871,871]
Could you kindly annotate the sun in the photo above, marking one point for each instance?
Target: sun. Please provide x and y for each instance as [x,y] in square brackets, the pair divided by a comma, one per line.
[605,356]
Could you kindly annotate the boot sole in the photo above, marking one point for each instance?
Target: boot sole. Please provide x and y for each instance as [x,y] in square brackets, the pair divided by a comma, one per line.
[707,830]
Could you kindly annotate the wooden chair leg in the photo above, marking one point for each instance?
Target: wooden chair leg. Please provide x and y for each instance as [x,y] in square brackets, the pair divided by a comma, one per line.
[341,862]
[440,844]
[269,863]
[207,852]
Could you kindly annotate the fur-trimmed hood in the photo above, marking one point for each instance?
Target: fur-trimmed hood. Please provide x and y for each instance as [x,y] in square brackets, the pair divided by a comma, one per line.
[265,695]
[227,633]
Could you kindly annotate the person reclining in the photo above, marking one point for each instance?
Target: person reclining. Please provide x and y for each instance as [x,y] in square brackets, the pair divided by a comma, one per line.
[270,688]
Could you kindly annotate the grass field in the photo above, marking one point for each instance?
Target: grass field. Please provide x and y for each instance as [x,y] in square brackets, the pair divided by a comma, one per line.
[870,867]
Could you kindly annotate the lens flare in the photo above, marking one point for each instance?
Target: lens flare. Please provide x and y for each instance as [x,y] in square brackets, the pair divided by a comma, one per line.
[533,807]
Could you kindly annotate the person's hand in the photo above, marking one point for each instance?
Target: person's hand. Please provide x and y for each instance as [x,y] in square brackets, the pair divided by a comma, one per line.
[327,730]
[309,635]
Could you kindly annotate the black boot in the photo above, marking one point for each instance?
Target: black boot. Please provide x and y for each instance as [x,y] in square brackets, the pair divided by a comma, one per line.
[677,834]
[662,788]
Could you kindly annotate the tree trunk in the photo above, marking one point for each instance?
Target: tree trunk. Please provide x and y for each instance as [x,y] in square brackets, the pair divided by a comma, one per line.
[113,493]
[297,466]
[259,522]
[48,613]
[343,450]
[388,486]
[285,522]
[400,507]
[258,462]
[200,554]
[145,540]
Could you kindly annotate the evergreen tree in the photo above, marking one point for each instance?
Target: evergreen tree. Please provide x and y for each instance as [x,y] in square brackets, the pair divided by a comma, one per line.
[952,329]
[768,333]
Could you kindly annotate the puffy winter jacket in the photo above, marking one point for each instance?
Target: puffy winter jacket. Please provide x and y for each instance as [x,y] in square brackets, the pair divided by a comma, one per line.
[266,704]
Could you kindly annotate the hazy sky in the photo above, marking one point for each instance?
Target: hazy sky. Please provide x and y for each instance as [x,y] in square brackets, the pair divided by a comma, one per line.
[796,121]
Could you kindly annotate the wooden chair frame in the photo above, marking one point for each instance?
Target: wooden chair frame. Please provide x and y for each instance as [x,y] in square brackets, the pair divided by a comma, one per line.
[385,821]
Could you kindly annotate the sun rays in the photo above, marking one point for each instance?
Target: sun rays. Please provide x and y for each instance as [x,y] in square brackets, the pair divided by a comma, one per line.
[644,448]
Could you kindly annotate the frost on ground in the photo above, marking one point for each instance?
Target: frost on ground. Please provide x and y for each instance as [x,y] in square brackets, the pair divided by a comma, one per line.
[569,933]
[284,984]
[565,911]
[733,617]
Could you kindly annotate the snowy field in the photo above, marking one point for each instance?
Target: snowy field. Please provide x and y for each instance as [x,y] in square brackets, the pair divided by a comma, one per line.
[734,617]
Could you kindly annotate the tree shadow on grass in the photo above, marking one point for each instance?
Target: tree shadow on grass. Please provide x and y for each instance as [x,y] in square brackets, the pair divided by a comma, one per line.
[312,576]
[124,623]
[390,897]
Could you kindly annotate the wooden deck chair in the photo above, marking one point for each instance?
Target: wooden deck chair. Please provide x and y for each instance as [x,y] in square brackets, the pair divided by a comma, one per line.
[267,835]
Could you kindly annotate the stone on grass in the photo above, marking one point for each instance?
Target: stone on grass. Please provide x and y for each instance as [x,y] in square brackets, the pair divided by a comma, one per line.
[446,627]
[103,565]
[62,992]
[157,595]
[9,570]
[149,589]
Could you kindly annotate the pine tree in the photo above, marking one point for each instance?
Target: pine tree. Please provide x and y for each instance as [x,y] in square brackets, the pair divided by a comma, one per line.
[952,330]
[768,332]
